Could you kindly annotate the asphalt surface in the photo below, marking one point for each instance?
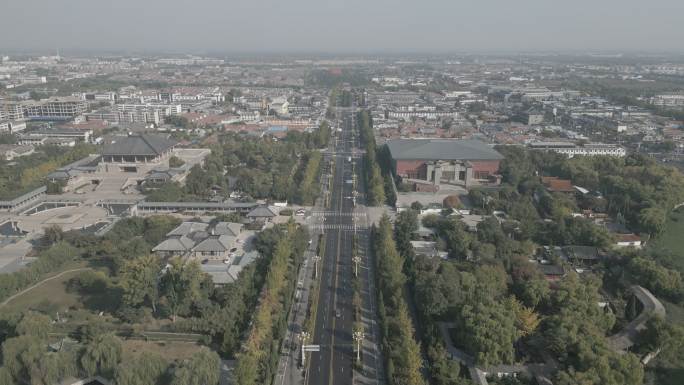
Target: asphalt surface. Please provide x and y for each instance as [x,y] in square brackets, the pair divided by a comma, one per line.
[335,315]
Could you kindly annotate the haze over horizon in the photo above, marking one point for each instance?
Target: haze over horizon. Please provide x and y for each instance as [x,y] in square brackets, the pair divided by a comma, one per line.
[371,26]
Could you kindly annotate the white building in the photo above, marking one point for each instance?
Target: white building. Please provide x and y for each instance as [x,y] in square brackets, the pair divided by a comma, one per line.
[589,149]
[147,113]
[668,100]
[429,115]
[56,108]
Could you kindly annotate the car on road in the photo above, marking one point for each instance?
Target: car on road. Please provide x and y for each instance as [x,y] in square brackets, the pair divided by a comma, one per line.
[338,314]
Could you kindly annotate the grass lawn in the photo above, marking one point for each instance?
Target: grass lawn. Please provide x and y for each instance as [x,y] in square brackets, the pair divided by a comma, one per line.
[49,296]
[669,245]
[172,350]
[661,376]
[675,312]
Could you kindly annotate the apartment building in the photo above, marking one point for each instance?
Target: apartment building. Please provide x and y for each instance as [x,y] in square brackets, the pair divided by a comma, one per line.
[668,100]
[56,108]
[147,113]
[589,149]
[11,111]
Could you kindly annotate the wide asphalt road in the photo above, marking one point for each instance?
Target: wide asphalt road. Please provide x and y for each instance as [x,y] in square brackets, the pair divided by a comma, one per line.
[335,315]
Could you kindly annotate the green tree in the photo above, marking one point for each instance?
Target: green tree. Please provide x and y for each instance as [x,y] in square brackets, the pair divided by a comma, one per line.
[657,278]
[34,324]
[488,332]
[652,220]
[139,280]
[21,355]
[175,162]
[6,377]
[202,369]
[145,369]
[181,286]
[102,355]
[53,234]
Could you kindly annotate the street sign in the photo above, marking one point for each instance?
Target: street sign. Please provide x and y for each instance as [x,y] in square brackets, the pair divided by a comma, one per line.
[311,348]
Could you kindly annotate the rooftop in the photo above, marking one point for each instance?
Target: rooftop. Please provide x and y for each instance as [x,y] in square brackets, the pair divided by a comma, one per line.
[441,149]
[140,145]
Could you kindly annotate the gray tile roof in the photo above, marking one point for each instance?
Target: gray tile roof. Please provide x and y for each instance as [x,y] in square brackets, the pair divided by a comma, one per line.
[228,228]
[222,274]
[186,228]
[215,243]
[441,149]
[200,205]
[177,244]
[261,212]
[139,145]
[581,252]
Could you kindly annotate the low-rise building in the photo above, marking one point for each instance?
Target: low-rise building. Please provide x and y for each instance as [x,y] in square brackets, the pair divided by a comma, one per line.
[12,126]
[628,240]
[201,241]
[450,161]
[11,151]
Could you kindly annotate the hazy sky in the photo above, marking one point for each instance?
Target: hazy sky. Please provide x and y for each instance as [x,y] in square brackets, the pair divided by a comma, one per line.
[343,25]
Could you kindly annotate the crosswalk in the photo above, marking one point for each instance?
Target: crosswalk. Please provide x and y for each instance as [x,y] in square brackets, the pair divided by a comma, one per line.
[338,214]
[347,227]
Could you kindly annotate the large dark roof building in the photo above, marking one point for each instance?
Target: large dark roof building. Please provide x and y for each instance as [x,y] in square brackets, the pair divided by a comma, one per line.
[444,161]
[441,149]
[138,149]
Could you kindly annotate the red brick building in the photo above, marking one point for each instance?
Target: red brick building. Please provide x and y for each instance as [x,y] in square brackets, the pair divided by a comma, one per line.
[445,161]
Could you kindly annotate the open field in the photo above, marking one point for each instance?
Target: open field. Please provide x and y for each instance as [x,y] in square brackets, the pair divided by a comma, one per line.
[173,350]
[670,244]
[50,293]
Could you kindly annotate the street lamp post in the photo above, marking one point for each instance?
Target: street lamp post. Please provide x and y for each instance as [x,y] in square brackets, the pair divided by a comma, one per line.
[358,338]
[303,337]
[356,259]
[316,258]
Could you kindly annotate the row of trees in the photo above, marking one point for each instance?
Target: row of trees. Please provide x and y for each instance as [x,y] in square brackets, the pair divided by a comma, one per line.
[401,351]
[257,360]
[307,177]
[340,98]
[442,370]
[375,188]
[28,172]
[321,137]
[26,358]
